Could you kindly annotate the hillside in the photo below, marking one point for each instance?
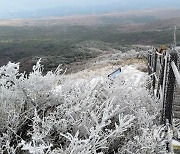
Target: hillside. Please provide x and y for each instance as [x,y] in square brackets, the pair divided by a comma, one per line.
[74,40]
[74,44]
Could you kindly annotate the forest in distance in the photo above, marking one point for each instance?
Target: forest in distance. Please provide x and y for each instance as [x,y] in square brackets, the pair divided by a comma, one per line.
[70,43]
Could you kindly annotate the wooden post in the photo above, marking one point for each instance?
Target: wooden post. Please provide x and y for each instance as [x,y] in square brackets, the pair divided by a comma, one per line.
[162,83]
[149,62]
[160,78]
[154,70]
[169,86]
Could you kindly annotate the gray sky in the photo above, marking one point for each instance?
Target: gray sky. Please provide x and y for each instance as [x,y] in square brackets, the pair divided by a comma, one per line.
[18,5]
[38,4]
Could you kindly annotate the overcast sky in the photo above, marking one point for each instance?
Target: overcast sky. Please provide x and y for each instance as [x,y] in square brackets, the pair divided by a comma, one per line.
[17,5]
[38,4]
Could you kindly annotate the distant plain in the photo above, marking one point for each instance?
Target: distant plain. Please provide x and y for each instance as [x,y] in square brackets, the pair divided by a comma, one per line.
[75,39]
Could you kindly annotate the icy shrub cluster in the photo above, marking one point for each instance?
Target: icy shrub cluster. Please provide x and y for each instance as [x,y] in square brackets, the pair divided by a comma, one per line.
[59,114]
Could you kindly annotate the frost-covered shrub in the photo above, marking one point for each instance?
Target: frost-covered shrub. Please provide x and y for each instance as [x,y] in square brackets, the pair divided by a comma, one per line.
[20,94]
[72,114]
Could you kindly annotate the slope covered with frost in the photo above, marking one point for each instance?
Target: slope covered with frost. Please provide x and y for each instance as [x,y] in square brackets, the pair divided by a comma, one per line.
[81,113]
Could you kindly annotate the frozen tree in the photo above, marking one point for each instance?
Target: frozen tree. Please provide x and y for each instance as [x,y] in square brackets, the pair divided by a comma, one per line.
[76,113]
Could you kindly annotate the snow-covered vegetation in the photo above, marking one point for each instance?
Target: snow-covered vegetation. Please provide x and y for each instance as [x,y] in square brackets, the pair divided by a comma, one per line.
[82,113]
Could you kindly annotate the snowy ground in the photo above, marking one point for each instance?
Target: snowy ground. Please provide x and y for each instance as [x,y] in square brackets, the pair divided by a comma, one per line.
[129,74]
[85,112]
